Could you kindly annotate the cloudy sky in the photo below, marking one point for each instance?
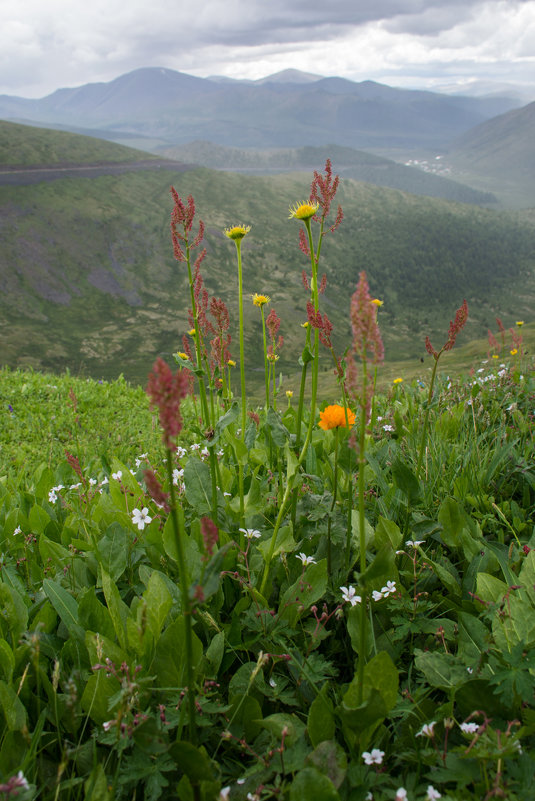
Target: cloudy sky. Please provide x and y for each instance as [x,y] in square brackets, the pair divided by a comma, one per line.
[433,44]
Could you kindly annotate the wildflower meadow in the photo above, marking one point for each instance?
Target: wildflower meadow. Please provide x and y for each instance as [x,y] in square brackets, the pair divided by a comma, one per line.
[301,596]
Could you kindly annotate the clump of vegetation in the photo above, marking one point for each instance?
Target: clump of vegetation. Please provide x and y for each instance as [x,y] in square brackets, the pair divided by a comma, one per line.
[317,597]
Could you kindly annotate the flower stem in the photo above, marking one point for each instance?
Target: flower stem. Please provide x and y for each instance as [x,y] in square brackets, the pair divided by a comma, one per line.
[186,606]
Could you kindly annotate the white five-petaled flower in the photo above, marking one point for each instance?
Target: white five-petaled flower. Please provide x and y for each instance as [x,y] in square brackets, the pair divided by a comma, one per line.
[373,757]
[432,794]
[52,497]
[18,530]
[349,595]
[140,518]
[250,533]
[306,560]
[388,427]
[205,453]
[414,543]
[376,595]
[428,729]
[401,794]
[118,475]
[195,446]
[92,482]
[180,452]
[108,724]
[177,474]
[389,589]
[469,728]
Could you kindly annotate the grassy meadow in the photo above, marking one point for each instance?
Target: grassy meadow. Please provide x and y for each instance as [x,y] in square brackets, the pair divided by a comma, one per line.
[230,587]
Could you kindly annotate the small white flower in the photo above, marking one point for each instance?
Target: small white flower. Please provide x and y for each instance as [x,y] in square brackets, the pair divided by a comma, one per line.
[220,452]
[177,474]
[379,419]
[388,427]
[349,595]
[432,794]
[306,560]
[414,543]
[250,533]
[401,794]
[481,370]
[138,462]
[92,482]
[75,486]
[118,475]
[427,729]
[469,728]
[180,452]
[105,480]
[133,472]
[140,518]
[227,494]
[21,781]
[52,497]
[195,447]
[205,453]
[373,757]
[108,724]
[389,589]
[224,793]
[376,595]
[272,682]
[18,530]
[470,670]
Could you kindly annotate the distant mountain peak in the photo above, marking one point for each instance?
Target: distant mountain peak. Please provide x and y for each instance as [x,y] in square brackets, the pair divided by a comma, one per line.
[290,76]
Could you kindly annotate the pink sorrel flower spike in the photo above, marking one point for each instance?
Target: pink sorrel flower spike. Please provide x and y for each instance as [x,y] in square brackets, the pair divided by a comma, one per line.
[165,391]
[461,317]
[366,335]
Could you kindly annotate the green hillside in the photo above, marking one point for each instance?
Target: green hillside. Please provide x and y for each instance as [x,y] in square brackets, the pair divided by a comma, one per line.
[351,163]
[23,145]
[89,280]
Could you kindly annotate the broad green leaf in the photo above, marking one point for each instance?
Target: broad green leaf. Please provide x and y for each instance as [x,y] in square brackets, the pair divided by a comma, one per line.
[330,759]
[7,662]
[320,723]
[12,707]
[112,550]
[66,607]
[441,670]
[98,692]
[193,761]
[96,786]
[279,433]
[490,589]
[14,614]
[387,532]
[308,589]
[226,420]
[198,481]
[282,721]
[285,543]
[452,518]
[117,608]
[311,785]
[93,615]
[406,481]
[169,658]
[38,519]
[382,567]
[515,625]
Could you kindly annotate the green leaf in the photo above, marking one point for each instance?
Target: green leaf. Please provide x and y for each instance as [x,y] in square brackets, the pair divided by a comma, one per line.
[490,589]
[311,784]
[96,786]
[226,420]
[117,609]
[387,533]
[279,722]
[279,433]
[285,543]
[441,670]
[406,481]
[66,607]
[193,761]
[381,569]
[453,520]
[12,707]
[330,759]
[7,661]
[308,589]
[13,612]
[198,481]
[38,519]
[320,723]
[112,550]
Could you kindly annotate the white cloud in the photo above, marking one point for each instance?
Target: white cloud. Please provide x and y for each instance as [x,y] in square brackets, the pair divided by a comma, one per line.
[46,45]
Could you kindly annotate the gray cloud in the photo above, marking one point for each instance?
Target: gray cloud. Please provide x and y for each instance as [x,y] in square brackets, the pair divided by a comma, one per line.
[44,46]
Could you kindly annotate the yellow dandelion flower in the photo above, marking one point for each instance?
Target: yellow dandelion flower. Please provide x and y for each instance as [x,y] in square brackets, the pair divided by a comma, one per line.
[495,356]
[237,232]
[260,300]
[289,393]
[397,380]
[303,210]
[377,302]
[191,332]
[520,323]
[183,355]
[335,417]
[231,363]
[514,352]
[305,325]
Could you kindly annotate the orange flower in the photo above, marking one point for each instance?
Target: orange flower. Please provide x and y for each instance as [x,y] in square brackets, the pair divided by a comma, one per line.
[335,417]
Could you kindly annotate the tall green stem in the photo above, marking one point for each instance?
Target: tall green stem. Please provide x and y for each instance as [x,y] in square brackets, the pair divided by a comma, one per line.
[186,606]
[242,378]
[426,417]
[362,533]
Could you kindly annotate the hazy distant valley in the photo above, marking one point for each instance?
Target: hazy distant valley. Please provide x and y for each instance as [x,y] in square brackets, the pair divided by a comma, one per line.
[86,267]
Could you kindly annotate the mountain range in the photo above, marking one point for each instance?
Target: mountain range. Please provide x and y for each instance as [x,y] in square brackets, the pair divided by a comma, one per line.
[162,106]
